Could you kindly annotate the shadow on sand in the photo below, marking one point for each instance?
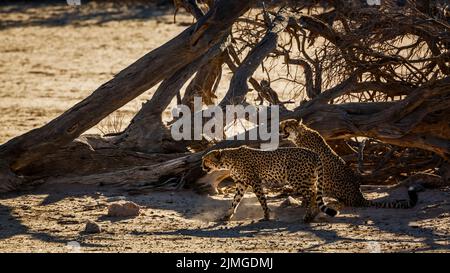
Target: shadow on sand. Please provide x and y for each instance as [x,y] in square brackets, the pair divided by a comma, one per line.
[59,13]
[208,209]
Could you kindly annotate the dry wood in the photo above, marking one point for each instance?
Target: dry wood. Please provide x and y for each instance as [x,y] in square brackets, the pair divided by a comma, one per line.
[126,85]
[375,72]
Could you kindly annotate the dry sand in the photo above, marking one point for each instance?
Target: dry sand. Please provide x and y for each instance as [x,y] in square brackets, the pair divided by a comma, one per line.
[53,220]
[52,56]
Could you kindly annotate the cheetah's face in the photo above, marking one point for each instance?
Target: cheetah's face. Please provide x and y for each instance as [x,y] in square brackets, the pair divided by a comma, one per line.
[446,10]
[212,161]
[289,128]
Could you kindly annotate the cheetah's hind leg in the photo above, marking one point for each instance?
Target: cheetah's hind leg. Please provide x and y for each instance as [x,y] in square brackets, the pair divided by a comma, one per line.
[311,208]
[259,192]
[240,191]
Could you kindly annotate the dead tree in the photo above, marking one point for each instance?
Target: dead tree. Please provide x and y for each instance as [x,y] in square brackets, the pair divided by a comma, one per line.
[351,71]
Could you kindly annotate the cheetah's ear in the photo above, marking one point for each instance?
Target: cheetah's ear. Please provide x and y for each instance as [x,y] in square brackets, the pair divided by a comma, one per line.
[217,155]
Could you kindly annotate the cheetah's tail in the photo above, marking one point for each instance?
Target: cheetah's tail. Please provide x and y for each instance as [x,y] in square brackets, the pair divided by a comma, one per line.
[398,204]
[327,210]
[319,198]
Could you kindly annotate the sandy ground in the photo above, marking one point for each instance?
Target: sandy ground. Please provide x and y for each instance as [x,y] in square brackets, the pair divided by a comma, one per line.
[52,56]
[52,220]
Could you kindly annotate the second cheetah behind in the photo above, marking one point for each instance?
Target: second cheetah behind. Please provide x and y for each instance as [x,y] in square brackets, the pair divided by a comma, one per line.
[249,167]
[341,182]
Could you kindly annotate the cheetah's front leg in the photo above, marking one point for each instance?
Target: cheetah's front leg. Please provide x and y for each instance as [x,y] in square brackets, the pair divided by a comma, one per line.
[240,191]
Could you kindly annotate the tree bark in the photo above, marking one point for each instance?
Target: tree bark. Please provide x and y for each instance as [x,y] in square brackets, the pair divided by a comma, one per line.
[146,132]
[125,86]
[361,55]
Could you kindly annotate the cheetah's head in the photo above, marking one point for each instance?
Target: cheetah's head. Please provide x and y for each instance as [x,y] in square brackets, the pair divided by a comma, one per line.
[290,128]
[300,134]
[213,161]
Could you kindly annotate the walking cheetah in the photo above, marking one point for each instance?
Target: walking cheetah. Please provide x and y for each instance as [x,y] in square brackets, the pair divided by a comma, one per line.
[250,167]
[341,182]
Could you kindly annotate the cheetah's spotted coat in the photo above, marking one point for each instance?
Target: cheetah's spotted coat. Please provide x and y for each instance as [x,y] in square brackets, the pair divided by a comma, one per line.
[340,181]
[248,167]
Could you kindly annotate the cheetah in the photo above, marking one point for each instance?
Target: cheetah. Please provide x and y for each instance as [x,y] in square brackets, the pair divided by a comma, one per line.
[341,182]
[250,167]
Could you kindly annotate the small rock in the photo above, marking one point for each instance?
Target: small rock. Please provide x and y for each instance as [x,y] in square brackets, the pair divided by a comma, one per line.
[123,209]
[290,202]
[92,227]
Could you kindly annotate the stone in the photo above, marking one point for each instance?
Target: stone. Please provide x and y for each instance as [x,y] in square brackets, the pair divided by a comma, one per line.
[92,227]
[126,209]
[290,202]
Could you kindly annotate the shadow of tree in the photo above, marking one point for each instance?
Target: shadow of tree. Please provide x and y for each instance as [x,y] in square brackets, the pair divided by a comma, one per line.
[11,226]
[328,231]
[394,221]
[59,13]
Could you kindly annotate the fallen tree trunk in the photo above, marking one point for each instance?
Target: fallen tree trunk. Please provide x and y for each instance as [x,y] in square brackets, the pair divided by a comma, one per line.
[144,176]
[146,132]
[420,120]
[125,86]
[359,79]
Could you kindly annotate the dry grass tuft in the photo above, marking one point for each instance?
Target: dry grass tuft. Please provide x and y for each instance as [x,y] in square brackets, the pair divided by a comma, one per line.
[112,124]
